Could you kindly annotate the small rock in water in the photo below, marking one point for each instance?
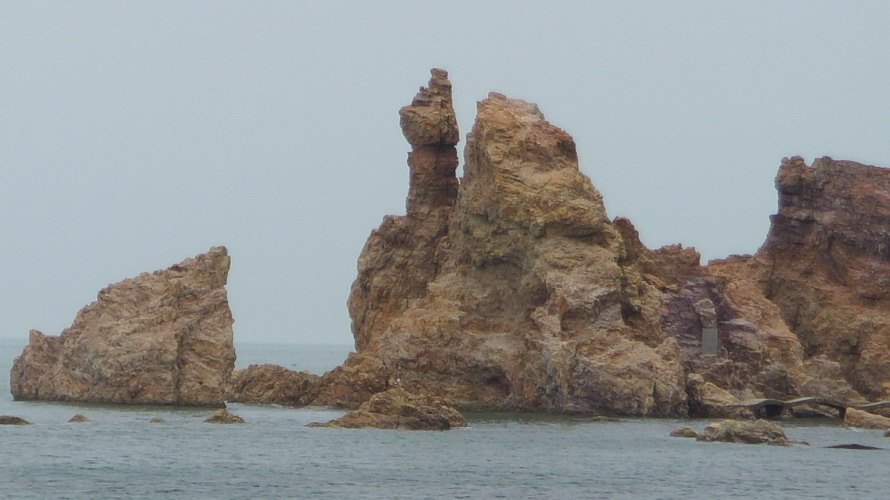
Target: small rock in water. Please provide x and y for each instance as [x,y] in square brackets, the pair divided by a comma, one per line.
[11,420]
[684,432]
[224,417]
[757,432]
[80,417]
[157,420]
[854,446]
[887,434]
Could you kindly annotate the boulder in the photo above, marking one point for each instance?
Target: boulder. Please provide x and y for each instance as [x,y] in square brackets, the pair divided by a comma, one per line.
[12,420]
[706,400]
[747,432]
[398,409]
[864,419]
[160,338]
[222,416]
[272,384]
[684,432]
[80,417]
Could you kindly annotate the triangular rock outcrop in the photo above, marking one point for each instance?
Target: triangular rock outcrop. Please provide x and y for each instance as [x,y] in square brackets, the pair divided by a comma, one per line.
[159,338]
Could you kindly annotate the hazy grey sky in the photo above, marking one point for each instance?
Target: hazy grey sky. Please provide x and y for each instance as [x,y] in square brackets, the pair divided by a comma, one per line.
[136,134]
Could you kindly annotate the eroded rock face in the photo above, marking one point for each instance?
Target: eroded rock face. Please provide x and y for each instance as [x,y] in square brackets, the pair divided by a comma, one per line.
[159,338]
[826,265]
[397,409]
[272,384]
[512,289]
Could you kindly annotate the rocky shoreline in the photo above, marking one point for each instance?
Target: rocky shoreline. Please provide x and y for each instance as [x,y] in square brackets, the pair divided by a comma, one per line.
[510,288]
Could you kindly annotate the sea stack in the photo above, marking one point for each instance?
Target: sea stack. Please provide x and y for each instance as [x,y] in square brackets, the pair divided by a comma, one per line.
[163,338]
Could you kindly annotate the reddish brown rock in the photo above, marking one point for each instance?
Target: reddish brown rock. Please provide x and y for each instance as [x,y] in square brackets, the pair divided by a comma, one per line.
[512,289]
[272,384]
[826,265]
[757,432]
[864,419]
[397,409]
[159,338]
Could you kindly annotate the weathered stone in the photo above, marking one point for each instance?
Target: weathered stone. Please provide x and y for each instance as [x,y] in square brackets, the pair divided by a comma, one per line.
[706,400]
[826,265]
[864,419]
[684,432]
[157,420]
[756,432]
[397,409]
[159,338]
[78,418]
[272,384]
[222,416]
[511,295]
[512,289]
[12,420]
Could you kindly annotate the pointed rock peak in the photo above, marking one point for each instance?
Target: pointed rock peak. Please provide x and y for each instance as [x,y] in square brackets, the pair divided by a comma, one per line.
[430,119]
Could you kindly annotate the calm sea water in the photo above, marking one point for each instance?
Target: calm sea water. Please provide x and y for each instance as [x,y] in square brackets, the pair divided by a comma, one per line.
[121,455]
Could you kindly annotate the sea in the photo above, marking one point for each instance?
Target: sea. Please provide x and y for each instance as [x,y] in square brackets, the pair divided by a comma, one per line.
[119,453]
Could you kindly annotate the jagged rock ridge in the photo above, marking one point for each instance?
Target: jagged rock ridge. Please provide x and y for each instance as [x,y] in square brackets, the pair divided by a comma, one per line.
[159,338]
[511,288]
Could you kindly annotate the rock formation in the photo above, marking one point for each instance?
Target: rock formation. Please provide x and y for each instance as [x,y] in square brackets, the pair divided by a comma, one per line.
[78,418]
[516,291]
[864,419]
[684,432]
[826,265]
[397,409]
[12,420]
[746,432]
[159,338]
[272,384]
[511,289]
[222,416]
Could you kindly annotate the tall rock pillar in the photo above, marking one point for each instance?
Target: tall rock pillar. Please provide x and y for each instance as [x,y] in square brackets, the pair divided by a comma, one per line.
[430,126]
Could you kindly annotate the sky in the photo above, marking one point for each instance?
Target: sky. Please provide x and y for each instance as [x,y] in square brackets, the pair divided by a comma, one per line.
[136,134]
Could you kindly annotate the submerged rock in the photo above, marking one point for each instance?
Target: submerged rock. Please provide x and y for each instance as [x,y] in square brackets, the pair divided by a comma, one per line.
[12,420]
[854,446]
[159,338]
[80,417]
[397,409]
[864,419]
[157,420]
[222,416]
[756,432]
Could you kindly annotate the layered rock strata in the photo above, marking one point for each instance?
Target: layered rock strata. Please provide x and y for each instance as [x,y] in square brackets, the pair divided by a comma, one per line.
[511,289]
[826,265]
[160,338]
